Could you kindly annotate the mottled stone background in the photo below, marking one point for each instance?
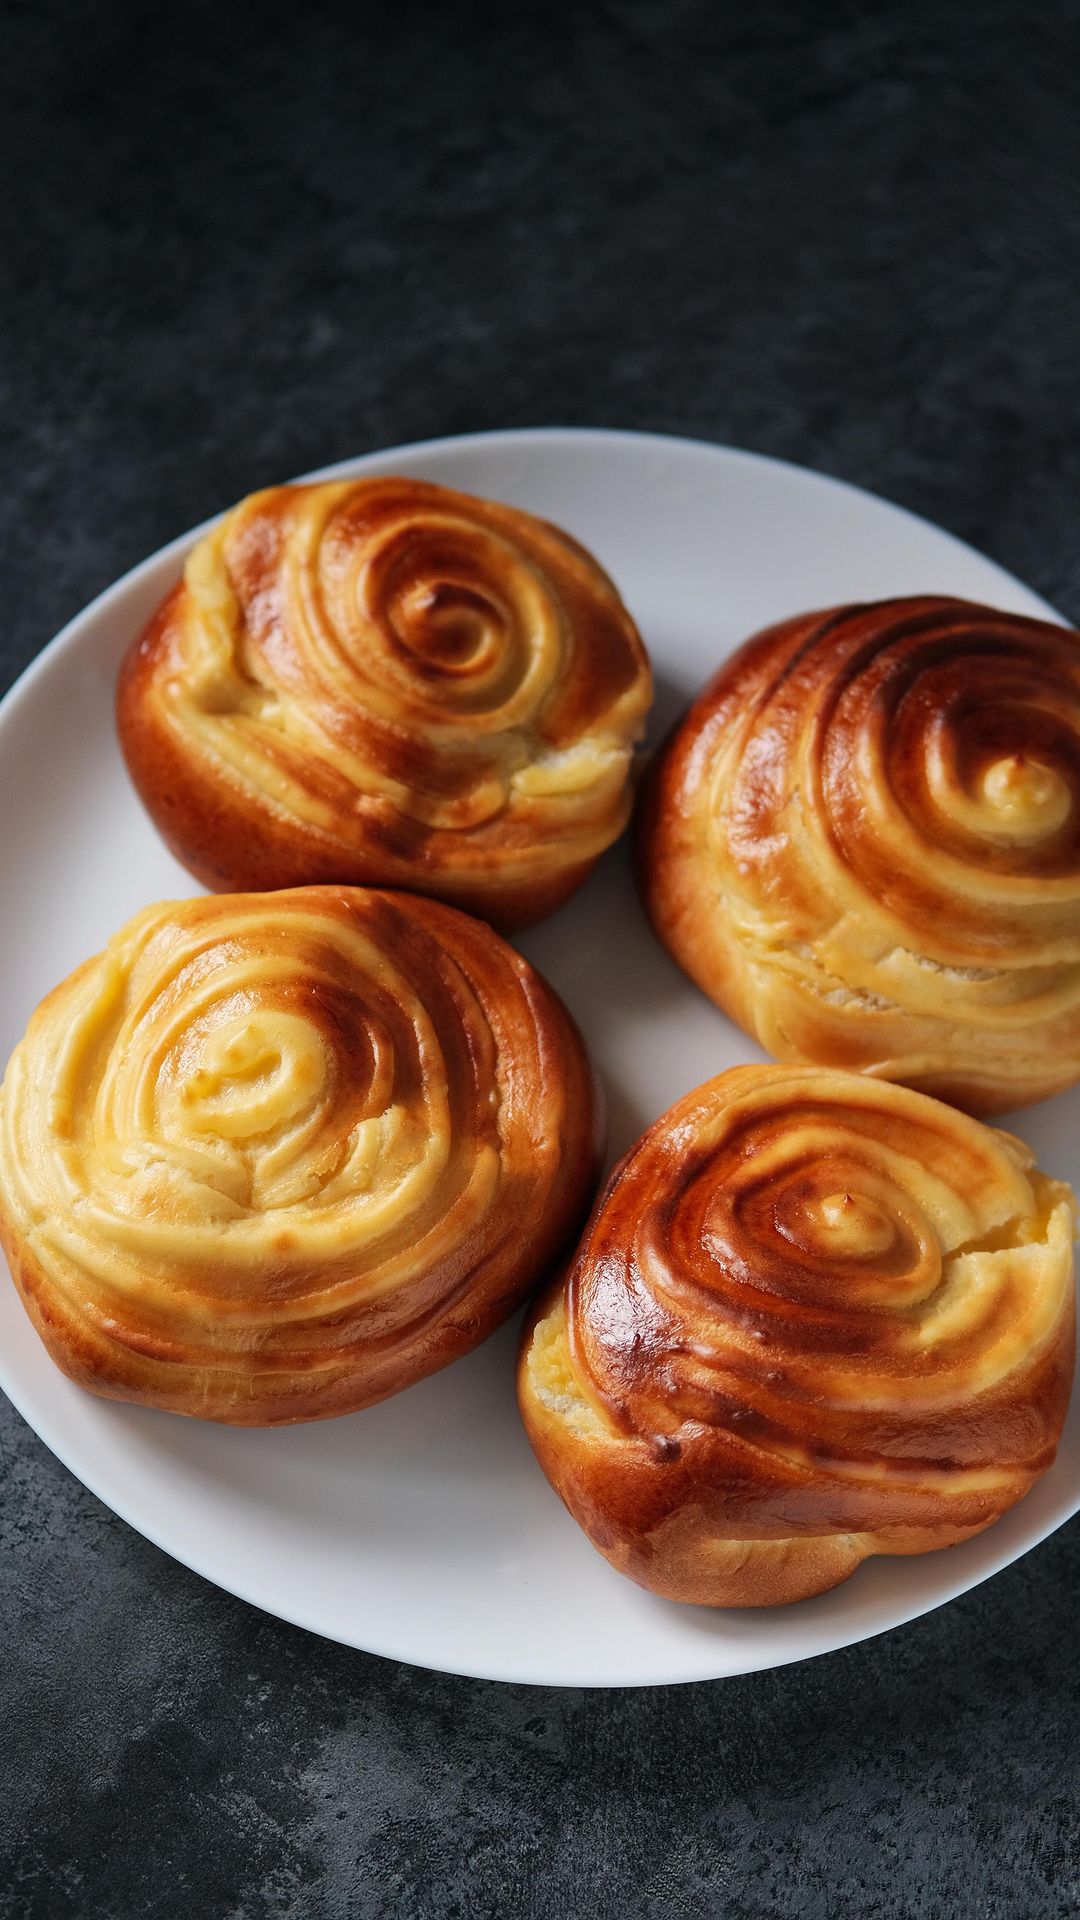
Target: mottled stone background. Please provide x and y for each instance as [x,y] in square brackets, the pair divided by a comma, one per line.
[240,242]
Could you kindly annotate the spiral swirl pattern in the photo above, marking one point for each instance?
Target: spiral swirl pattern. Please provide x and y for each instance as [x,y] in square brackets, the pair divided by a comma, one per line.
[269,1158]
[383,681]
[864,842]
[815,1316]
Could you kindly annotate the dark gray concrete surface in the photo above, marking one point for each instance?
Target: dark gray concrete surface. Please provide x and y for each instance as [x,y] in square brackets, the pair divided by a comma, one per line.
[237,243]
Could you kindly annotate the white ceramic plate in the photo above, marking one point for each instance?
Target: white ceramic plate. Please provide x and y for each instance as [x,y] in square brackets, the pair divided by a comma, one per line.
[422,1529]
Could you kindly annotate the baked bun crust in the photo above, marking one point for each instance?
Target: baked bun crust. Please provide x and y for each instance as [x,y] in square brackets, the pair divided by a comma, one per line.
[271,1158]
[863,842]
[383,682]
[814,1317]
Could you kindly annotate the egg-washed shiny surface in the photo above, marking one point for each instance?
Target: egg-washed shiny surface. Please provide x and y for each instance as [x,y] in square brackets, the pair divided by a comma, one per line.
[272,1157]
[863,841]
[387,682]
[814,1317]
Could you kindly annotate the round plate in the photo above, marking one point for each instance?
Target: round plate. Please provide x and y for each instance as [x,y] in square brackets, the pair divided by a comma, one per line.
[423,1529]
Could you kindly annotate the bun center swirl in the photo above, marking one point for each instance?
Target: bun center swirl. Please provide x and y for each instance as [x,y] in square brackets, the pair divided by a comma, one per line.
[464,627]
[245,1077]
[844,1225]
[1024,799]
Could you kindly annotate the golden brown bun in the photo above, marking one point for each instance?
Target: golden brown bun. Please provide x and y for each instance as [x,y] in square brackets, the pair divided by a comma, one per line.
[386,683]
[814,1317]
[272,1157]
[863,842]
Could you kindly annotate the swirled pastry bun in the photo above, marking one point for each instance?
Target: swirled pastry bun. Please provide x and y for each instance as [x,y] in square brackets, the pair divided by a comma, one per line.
[863,841]
[814,1317]
[273,1157]
[383,682]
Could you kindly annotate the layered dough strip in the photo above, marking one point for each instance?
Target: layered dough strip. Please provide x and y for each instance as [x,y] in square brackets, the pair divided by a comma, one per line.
[863,842]
[269,1158]
[815,1317]
[387,682]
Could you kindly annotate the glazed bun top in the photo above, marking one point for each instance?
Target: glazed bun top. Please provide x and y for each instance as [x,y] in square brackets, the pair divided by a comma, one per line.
[863,840]
[848,1282]
[814,1317]
[386,681]
[272,1156]
[935,747]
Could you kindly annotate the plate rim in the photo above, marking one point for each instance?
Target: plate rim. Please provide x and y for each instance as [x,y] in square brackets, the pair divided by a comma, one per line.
[504,1673]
